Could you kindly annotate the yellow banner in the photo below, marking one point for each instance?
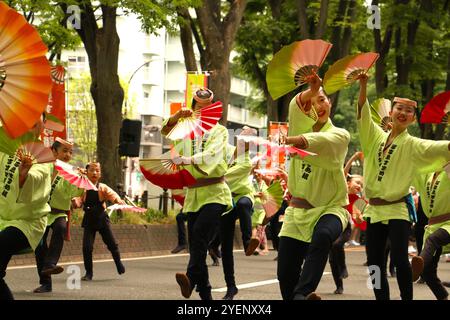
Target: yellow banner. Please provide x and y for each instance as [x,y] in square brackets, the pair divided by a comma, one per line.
[194,81]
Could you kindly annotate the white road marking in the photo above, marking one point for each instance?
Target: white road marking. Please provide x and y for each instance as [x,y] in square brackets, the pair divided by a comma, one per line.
[254,284]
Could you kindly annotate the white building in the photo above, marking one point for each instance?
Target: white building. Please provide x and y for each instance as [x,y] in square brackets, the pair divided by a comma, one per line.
[153,67]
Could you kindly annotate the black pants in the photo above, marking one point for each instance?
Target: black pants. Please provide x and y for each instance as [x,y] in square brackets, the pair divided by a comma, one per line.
[88,245]
[431,253]
[296,282]
[337,256]
[419,227]
[243,212]
[181,228]
[12,241]
[397,231]
[47,256]
[201,228]
[275,224]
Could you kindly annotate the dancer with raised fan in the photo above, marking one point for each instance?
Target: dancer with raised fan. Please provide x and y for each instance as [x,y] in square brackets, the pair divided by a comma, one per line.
[204,157]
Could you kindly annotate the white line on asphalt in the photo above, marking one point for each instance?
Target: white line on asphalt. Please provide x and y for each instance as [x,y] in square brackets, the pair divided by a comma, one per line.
[254,284]
[109,260]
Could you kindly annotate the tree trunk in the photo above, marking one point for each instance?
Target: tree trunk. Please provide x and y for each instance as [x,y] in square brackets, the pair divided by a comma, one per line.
[186,40]
[102,48]
[218,37]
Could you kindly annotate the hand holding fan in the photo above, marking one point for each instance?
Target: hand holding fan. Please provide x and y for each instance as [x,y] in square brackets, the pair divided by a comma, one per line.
[25,80]
[37,152]
[163,172]
[73,175]
[201,121]
[380,113]
[272,198]
[346,71]
[437,110]
[294,65]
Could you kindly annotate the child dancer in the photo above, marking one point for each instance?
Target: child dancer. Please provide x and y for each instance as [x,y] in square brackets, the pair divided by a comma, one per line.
[96,219]
[61,195]
[391,161]
[316,215]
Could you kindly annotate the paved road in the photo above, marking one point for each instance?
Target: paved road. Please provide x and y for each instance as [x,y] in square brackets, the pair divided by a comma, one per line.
[152,278]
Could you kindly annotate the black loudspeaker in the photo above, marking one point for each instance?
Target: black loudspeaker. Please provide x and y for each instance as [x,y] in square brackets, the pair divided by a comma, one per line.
[130,138]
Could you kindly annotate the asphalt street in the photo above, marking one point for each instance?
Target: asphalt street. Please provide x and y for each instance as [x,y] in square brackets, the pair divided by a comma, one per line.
[153,278]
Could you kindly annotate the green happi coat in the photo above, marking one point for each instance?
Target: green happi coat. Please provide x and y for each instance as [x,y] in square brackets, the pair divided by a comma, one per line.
[238,178]
[389,176]
[435,199]
[62,192]
[209,156]
[258,210]
[318,179]
[28,211]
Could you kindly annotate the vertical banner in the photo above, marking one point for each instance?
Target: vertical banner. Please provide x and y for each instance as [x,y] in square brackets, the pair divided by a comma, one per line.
[194,81]
[276,159]
[56,109]
[174,107]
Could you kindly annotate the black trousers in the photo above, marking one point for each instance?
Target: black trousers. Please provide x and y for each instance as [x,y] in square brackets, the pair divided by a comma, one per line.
[181,228]
[431,253]
[47,256]
[295,282]
[243,212]
[397,231]
[88,245]
[201,228]
[12,241]
[337,256]
[275,224]
[419,227]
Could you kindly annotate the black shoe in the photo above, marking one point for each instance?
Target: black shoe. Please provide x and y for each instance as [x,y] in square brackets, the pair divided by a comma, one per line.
[120,268]
[251,247]
[179,248]
[43,289]
[339,290]
[231,292]
[344,274]
[52,270]
[87,277]
[185,284]
[206,295]
[216,262]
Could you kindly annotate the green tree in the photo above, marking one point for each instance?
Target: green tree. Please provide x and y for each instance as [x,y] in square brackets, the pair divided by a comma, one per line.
[96,27]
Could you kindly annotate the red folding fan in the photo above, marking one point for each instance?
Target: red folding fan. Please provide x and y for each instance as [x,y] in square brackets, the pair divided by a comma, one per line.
[37,151]
[201,121]
[74,176]
[294,65]
[163,172]
[437,110]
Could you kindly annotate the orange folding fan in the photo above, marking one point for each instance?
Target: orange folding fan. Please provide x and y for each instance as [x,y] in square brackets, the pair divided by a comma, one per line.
[437,110]
[25,80]
[201,121]
[163,172]
[346,70]
[294,64]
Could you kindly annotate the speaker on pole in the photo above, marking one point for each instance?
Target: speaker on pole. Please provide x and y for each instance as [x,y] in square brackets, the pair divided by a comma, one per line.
[130,138]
